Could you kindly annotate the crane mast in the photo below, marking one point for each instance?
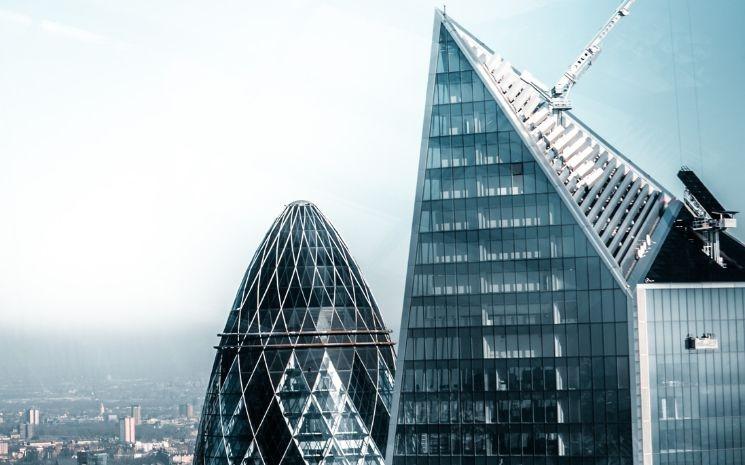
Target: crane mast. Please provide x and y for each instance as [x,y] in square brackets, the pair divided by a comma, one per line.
[560,92]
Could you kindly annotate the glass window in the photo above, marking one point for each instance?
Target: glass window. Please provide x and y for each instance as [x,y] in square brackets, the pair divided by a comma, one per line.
[534,327]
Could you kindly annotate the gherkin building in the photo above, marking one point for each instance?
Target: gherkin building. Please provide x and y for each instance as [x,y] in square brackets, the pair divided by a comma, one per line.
[304,367]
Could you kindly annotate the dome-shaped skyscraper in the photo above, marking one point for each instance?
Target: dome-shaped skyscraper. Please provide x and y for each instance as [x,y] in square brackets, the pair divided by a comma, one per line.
[304,368]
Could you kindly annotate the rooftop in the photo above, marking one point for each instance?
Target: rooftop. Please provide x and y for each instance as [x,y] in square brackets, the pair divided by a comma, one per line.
[301,203]
[616,202]
[680,258]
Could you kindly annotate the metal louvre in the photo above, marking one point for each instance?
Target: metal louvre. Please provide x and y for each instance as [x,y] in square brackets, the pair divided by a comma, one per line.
[621,203]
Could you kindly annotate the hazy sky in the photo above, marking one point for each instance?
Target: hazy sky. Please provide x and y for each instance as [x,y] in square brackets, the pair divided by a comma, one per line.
[145,147]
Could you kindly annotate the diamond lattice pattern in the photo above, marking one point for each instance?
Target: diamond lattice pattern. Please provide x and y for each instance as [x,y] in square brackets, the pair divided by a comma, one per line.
[304,370]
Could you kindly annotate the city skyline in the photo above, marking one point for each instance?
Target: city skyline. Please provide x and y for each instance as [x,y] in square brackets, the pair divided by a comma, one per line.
[75,423]
[156,218]
[557,280]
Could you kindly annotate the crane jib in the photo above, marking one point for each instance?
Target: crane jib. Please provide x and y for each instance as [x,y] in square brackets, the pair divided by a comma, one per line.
[560,91]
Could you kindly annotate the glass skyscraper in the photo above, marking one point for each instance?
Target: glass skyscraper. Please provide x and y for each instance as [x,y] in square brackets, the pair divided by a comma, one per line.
[691,320]
[696,397]
[520,334]
[304,367]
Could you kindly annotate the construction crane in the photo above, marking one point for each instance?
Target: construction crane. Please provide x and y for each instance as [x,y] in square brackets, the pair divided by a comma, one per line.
[709,216]
[560,92]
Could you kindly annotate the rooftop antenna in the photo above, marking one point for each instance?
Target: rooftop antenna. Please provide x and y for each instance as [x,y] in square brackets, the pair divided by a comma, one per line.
[560,92]
[444,8]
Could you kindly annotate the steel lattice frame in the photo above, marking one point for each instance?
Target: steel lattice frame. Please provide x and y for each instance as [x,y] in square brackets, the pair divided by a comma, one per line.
[304,369]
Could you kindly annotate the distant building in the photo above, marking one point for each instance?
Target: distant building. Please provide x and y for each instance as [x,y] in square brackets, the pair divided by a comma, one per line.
[186,410]
[136,413]
[26,430]
[182,459]
[32,416]
[100,458]
[92,458]
[4,450]
[111,417]
[101,409]
[127,430]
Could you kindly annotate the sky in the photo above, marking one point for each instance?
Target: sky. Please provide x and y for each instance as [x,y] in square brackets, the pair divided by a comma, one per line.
[146,147]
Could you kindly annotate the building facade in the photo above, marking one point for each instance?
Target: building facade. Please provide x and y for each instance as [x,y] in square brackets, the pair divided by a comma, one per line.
[32,416]
[127,428]
[691,326]
[27,431]
[304,367]
[186,410]
[101,458]
[694,408]
[135,411]
[520,335]
[92,458]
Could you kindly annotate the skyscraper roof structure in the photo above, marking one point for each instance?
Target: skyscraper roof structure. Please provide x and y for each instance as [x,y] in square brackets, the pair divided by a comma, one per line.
[615,201]
[552,283]
[304,368]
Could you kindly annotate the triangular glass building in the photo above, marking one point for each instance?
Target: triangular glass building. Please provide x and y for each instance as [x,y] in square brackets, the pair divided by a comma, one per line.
[524,335]
[304,368]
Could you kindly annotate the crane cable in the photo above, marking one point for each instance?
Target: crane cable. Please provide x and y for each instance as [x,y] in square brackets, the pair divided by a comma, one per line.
[675,80]
[695,86]
[694,79]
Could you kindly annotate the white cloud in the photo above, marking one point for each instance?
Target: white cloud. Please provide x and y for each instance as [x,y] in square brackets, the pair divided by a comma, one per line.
[71,32]
[18,18]
[56,28]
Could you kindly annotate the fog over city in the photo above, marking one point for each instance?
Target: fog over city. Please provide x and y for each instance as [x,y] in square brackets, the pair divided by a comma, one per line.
[145,149]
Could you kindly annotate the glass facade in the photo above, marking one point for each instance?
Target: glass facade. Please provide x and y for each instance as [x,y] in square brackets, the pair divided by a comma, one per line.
[514,332]
[697,396]
[304,368]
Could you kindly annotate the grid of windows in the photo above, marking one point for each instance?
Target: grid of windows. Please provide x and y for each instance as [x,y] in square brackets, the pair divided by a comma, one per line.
[697,396]
[516,333]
